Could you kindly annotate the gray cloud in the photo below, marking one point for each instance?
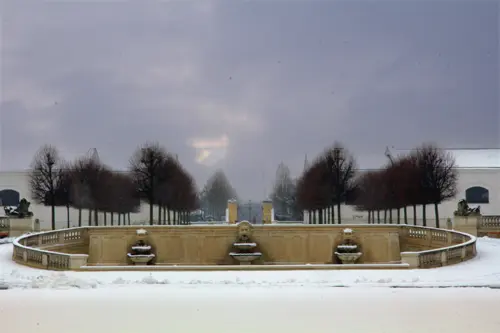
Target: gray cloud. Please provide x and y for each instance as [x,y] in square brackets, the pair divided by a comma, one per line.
[279,79]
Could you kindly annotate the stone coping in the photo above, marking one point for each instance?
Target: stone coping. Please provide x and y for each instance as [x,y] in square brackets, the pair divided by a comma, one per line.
[277,267]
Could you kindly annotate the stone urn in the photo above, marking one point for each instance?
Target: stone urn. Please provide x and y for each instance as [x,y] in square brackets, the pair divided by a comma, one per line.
[141,252]
[348,251]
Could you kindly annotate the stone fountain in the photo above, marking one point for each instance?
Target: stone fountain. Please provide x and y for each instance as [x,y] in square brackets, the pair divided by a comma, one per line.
[244,246]
[348,251]
[141,252]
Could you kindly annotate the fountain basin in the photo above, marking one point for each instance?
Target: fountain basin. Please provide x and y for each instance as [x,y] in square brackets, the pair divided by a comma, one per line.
[140,259]
[245,246]
[348,258]
[245,258]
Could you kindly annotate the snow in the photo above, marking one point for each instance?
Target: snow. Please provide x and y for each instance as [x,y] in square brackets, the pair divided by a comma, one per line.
[245,244]
[347,247]
[347,231]
[141,232]
[484,270]
[227,309]
[283,301]
[141,248]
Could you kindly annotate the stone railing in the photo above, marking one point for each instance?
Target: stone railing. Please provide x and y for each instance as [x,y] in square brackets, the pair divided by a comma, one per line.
[4,224]
[478,225]
[489,222]
[450,247]
[29,249]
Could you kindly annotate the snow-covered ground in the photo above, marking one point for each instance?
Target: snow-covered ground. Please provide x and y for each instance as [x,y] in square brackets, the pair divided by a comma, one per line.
[484,270]
[249,310]
[248,302]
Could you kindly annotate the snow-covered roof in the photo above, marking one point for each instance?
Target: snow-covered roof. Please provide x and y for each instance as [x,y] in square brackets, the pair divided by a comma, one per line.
[476,158]
[464,158]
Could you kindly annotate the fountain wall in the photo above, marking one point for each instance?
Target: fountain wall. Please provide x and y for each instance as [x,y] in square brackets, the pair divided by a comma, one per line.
[210,245]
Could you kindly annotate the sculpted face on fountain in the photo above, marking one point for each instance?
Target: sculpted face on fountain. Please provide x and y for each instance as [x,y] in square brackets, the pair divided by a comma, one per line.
[244,231]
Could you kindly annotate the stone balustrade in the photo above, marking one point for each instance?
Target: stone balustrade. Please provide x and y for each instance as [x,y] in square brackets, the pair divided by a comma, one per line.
[4,224]
[30,249]
[478,225]
[452,247]
[489,222]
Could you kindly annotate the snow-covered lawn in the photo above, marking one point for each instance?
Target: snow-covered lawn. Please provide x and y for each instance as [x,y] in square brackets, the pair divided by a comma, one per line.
[484,270]
[249,310]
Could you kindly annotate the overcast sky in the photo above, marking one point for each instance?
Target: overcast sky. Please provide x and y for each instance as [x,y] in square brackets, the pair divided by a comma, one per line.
[268,80]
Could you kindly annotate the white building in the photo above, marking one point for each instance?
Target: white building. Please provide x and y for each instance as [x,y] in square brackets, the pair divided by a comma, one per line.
[478,183]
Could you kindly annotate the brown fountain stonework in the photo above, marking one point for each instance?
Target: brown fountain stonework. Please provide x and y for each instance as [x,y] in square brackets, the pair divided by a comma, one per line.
[208,245]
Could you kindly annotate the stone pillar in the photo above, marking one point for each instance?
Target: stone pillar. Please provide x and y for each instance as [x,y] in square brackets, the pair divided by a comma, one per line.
[267,212]
[232,211]
[468,224]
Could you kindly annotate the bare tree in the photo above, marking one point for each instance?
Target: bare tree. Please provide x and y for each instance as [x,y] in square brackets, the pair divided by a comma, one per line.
[89,186]
[216,193]
[370,194]
[283,195]
[63,190]
[340,168]
[184,198]
[123,197]
[313,192]
[44,178]
[438,177]
[146,170]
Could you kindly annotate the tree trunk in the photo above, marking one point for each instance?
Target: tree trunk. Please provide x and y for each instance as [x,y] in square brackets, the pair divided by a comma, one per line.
[159,214]
[436,212]
[53,211]
[385,216]
[320,216]
[112,218]
[339,219]
[332,213]
[414,214]
[105,218]
[399,215]
[119,218]
[378,216]
[128,218]
[150,212]
[79,217]
[90,217]
[96,217]
[168,217]
[174,218]
[67,214]
[424,217]
[405,213]
[390,216]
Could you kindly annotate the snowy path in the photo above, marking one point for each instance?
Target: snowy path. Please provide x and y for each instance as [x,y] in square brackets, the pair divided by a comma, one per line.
[250,310]
[484,270]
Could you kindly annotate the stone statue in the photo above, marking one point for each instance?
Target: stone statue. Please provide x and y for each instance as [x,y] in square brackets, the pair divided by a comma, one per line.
[463,209]
[21,211]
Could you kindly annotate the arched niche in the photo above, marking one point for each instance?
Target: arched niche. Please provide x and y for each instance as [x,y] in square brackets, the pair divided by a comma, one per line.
[9,197]
[477,195]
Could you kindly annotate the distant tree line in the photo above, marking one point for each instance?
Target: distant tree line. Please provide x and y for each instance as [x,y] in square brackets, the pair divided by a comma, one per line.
[154,177]
[425,176]
[215,195]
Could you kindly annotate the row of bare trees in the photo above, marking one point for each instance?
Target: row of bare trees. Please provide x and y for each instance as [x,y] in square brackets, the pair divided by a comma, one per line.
[427,175]
[155,177]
